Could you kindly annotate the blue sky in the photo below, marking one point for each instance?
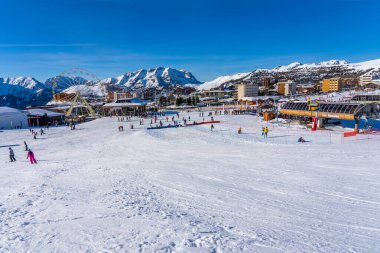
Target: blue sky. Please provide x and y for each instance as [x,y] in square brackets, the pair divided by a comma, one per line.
[42,38]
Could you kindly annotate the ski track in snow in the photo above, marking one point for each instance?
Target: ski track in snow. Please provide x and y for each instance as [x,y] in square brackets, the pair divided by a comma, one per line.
[189,190]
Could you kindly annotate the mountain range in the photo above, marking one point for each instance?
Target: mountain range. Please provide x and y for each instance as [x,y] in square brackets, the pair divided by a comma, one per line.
[27,91]
[298,72]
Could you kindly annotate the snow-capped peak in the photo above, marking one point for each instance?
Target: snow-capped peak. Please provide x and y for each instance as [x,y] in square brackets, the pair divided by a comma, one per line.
[154,77]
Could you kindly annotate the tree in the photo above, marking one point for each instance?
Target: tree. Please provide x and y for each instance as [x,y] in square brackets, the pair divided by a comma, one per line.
[188,101]
[193,100]
[179,101]
[196,99]
[162,100]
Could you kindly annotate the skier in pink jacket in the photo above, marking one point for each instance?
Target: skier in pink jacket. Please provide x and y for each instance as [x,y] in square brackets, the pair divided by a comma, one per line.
[31,157]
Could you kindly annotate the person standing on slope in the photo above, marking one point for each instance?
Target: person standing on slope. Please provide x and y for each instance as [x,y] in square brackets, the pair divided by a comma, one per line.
[26,146]
[31,157]
[266,130]
[11,155]
[212,127]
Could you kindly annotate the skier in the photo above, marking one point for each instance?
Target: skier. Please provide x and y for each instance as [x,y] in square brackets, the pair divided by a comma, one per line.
[35,135]
[212,127]
[266,130]
[42,131]
[26,146]
[31,157]
[11,155]
[239,130]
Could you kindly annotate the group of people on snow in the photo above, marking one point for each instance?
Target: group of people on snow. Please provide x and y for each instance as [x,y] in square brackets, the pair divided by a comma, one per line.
[30,155]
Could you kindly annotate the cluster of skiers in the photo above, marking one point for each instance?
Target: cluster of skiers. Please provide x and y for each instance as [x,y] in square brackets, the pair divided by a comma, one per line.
[122,119]
[35,133]
[175,121]
[30,154]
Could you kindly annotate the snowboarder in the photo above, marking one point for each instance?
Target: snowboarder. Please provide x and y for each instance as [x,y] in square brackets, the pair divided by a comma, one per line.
[31,157]
[11,155]
[302,140]
[26,146]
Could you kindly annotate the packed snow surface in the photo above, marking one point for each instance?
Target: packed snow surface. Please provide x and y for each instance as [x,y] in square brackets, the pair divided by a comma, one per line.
[189,189]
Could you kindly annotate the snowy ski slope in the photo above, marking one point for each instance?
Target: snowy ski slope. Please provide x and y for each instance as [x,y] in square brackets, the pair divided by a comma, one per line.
[190,190]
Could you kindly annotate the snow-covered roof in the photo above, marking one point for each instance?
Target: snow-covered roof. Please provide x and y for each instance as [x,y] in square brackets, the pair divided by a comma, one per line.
[9,110]
[123,104]
[42,112]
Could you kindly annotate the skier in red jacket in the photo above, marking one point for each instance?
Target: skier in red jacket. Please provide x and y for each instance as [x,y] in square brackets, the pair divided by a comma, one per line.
[31,157]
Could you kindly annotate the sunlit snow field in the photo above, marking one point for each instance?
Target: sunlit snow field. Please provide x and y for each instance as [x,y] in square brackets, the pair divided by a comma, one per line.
[96,189]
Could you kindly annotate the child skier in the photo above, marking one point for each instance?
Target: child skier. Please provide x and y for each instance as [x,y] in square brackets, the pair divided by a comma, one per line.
[11,155]
[31,157]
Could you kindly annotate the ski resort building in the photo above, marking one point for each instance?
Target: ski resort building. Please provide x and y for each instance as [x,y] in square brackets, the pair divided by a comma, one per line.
[366,98]
[42,117]
[247,90]
[11,118]
[217,94]
[341,111]
[126,106]
[114,96]
[368,77]
[332,85]
[287,88]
